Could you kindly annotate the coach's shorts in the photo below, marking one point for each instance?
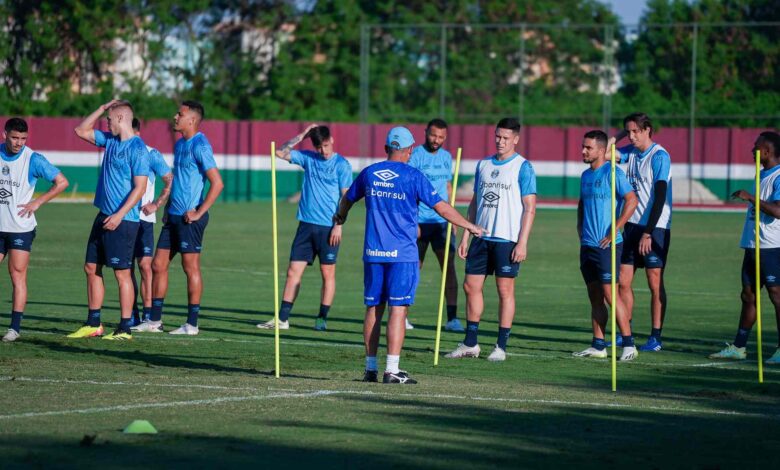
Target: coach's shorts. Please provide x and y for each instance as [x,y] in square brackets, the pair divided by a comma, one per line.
[770,267]
[144,241]
[659,249]
[16,241]
[112,248]
[486,257]
[436,236]
[394,283]
[596,263]
[180,237]
[311,240]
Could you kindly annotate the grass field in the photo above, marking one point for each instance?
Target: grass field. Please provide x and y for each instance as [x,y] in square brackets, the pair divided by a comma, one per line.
[215,402]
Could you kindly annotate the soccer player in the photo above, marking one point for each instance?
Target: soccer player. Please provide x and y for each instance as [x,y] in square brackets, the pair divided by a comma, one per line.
[436,164]
[326,177]
[185,218]
[144,242]
[392,190]
[21,168]
[504,202]
[647,234]
[122,182]
[769,145]
[594,221]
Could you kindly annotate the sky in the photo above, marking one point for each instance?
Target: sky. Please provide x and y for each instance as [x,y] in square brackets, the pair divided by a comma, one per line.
[629,11]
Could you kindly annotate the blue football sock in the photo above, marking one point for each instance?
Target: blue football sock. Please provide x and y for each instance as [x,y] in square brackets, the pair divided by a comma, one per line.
[192,314]
[124,325]
[93,317]
[598,343]
[136,316]
[147,313]
[284,310]
[656,332]
[324,309]
[157,308]
[503,337]
[452,312]
[628,341]
[16,321]
[741,339]
[472,328]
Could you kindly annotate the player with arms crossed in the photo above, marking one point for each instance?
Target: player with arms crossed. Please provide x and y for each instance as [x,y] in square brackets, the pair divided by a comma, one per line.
[647,234]
[392,190]
[21,168]
[504,202]
[326,177]
[436,164]
[122,183]
[594,224]
[768,143]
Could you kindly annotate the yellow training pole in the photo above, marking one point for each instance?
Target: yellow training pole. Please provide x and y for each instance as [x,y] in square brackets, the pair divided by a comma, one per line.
[446,260]
[276,258]
[758,264]
[613,260]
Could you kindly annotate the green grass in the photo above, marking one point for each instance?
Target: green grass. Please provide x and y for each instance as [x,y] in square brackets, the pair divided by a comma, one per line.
[219,404]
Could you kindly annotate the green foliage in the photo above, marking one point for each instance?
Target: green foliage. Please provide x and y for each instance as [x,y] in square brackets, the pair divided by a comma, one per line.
[295,60]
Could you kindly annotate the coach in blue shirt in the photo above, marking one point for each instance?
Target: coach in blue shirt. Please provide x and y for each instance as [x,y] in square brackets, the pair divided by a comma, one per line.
[392,190]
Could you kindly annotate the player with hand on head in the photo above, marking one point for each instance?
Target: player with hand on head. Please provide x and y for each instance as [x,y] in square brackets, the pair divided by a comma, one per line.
[326,177]
[594,227]
[21,168]
[392,190]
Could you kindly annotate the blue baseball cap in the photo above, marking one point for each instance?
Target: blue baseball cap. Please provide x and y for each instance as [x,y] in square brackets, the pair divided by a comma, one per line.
[399,138]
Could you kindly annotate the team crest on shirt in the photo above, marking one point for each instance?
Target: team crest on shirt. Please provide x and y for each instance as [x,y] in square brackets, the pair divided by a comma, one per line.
[6,170]
[494,174]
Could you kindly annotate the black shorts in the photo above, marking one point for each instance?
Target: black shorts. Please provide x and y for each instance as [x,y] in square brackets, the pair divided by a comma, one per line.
[436,236]
[487,257]
[659,250]
[16,241]
[770,267]
[596,263]
[113,248]
[311,240]
[180,237]
[144,241]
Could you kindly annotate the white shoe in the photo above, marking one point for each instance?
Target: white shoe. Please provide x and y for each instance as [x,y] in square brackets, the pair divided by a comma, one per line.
[454,325]
[591,352]
[148,327]
[464,351]
[629,353]
[185,329]
[270,325]
[11,336]
[497,355]
[409,326]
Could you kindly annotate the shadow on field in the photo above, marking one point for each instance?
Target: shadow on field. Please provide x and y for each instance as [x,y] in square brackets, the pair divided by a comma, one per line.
[403,432]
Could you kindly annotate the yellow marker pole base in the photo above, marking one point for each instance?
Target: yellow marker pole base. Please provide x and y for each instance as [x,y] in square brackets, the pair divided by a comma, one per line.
[446,261]
[277,370]
[758,265]
[613,309]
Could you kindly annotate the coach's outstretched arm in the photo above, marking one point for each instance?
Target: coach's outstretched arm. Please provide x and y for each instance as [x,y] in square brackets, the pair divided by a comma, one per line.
[86,130]
[471,215]
[283,152]
[453,216]
[215,187]
[771,208]
[341,214]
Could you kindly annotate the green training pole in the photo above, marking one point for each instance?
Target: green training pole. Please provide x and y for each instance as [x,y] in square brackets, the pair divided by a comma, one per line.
[446,260]
[613,263]
[758,264]
[276,260]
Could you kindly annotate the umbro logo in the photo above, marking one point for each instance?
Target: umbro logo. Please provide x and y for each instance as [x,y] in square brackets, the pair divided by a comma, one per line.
[490,196]
[114,260]
[147,249]
[771,279]
[506,269]
[386,175]
[18,242]
[4,193]
[184,244]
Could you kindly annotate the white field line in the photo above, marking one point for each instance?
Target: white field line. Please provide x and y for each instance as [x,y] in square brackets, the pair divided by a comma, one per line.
[425,396]
[728,365]
[125,384]
[209,401]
